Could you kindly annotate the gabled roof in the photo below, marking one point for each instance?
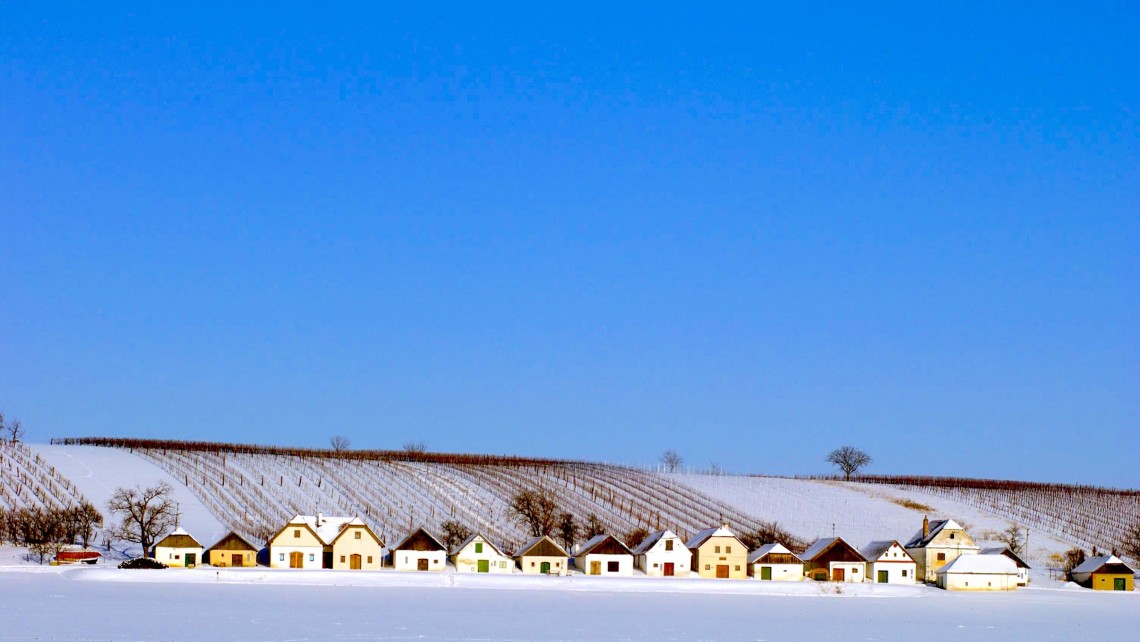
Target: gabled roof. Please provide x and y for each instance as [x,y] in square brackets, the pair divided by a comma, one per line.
[178,538]
[878,548]
[541,546]
[822,546]
[474,536]
[980,564]
[324,527]
[236,538]
[1004,550]
[420,540]
[1095,564]
[937,526]
[651,540]
[771,549]
[357,522]
[604,545]
[295,522]
[700,538]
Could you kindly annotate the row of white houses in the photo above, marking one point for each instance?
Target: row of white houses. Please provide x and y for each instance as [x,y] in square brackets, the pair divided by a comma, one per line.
[941,553]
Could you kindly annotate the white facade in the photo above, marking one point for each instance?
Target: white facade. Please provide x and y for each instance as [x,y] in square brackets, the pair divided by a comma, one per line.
[978,573]
[478,555]
[889,563]
[310,556]
[602,564]
[771,562]
[406,560]
[178,549]
[663,554]
[853,572]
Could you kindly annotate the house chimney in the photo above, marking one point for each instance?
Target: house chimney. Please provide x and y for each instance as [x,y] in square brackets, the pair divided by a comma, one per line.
[925,527]
[320,519]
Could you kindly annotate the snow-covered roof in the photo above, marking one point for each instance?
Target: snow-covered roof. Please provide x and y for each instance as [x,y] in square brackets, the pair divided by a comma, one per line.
[550,545]
[237,536]
[703,536]
[474,536]
[1004,550]
[327,528]
[651,540]
[1093,564]
[178,538]
[607,544]
[985,564]
[774,547]
[822,545]
[874,550]
[918,540]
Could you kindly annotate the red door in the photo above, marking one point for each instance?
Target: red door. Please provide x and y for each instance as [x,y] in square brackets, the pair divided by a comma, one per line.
[668,569]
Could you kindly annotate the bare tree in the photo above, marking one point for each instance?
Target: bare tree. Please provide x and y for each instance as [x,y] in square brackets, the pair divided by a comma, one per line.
[339,443]
[672,460]
[1013,539]
[146,513]
[83,520]
[415,446]
[635,537]
[535,509]
[454,534]
[849,460]
[1074,557]
[594,526]
[568,530]
[1130,543]
[12,430]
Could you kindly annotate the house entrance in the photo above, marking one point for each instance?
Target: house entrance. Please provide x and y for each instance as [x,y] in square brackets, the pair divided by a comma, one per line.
[668,572]
[722,571]
[544,567]
[1119,584]
[484,566]
[354,562]
[595,568]
[191,559]
[882,577]
[296,559]
[422,564]
[837,574]
[765,572]
[237,560]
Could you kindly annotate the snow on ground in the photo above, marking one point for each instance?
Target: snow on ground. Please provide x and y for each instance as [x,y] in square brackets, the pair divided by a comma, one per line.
[98,472]
[260,604]
[858,512]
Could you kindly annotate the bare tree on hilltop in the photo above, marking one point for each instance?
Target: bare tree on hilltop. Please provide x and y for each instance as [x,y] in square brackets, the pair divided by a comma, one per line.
[536,510]
[1012,538]
[339,443]
[672,460]
[849,460]
[11,430]
[415,446]
[146,514]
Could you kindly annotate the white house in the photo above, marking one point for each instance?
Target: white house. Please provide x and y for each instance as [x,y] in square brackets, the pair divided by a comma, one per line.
[663,554]
[541,555]
[889,563]
[937,544]
[775,562]
[478,555]
[604,555]
[978,573]
[1022,567]
[419,551]
[306,541]
[178,549]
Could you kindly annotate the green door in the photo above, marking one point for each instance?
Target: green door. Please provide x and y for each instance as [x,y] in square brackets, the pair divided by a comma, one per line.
[191,559]
[484,566]
[765,572]
[544,567]
[882,577]
[1118,584]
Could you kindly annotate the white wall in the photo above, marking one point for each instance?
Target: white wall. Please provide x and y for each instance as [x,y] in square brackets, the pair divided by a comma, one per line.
[977,581]
[853,572]
[177,556]
[467,560]
[781,572]
[653,563]
[624,562]
[312,556]
[409,560]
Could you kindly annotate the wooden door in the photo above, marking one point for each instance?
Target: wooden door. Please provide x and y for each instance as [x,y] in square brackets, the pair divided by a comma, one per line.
[595,568]
[354,562]
[883,577]
[296,559]
[237,559]
[668,572]
[544,567]
[484,566]
[191,559]
[1119,584]
[422,564]
[765,572]
[837,574]
[722,571]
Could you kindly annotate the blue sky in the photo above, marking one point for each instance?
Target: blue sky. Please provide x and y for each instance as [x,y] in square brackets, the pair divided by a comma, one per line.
[751,233]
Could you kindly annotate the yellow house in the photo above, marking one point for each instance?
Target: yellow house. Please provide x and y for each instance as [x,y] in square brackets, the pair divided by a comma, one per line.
[936,545]
[1105,573]
[356,547]
[718,553]
[178,549]
[542,555]
[232,550]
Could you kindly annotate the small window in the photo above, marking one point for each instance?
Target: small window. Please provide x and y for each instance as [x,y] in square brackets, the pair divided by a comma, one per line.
[738,567]
[558,565]
[342,559]
[503,564]
[668,544]
[613,567]
[532,564]
[312,557]
[654,565]
[281,557]
[296,532]
[356,534]
[942,557]
[707,567]
[904,572]
[727,549]
[369,559]
[716,549]
[478,547]
[951,535]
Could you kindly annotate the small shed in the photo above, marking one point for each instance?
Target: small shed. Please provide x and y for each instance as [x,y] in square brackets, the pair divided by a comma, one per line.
[1022,567]
[604,555]
[478,555]
[232,550]
[541,555]
[178,549]
[889,563]
[419,551]
[978,573]
[663,554]
[775,562]
[717,552]
[1105,573]
[832,558]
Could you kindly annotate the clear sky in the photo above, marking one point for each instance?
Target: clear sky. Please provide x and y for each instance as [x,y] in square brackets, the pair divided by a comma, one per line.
[750,233]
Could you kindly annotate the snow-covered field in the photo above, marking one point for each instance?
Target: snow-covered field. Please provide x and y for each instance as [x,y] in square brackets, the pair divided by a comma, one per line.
[856,512]
[92,604]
